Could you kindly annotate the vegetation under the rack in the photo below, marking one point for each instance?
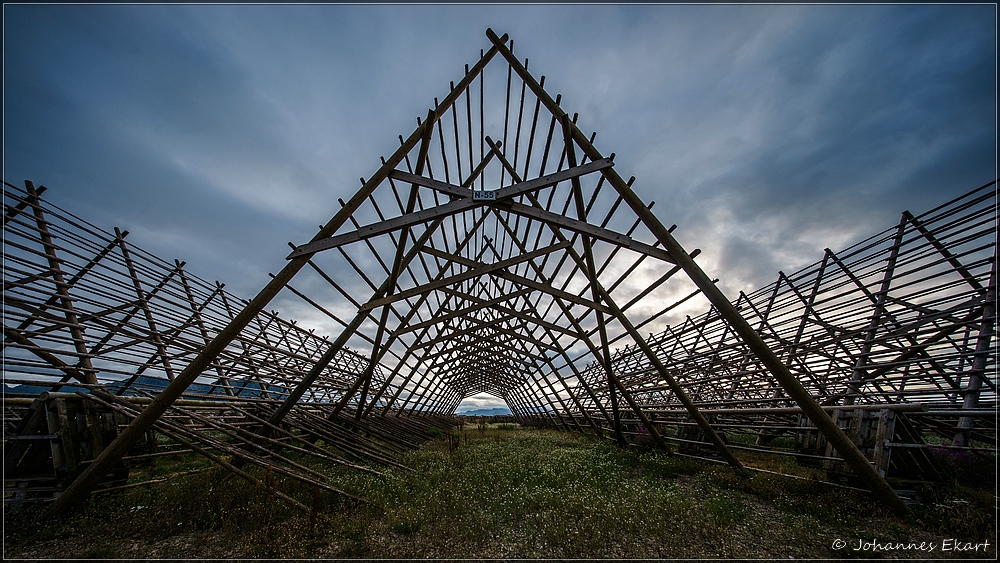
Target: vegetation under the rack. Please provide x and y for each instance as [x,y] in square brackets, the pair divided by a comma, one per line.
[506,492]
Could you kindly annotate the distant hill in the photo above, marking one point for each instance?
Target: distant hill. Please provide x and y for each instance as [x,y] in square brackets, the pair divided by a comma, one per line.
[25,389]
[497,411]
[153,385]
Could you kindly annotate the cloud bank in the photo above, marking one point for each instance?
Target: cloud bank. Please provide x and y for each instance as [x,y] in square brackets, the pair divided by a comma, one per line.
[216,134]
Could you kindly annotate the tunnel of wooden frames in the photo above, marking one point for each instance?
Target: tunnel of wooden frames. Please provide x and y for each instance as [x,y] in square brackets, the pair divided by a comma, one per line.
[496,251]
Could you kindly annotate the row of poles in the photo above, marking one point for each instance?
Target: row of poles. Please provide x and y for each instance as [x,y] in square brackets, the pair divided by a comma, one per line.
[508,291]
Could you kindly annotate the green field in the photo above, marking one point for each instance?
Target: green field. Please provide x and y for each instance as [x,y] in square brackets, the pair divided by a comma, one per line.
[508,492]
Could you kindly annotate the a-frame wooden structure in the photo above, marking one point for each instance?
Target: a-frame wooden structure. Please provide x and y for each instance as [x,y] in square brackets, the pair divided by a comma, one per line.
[495,251]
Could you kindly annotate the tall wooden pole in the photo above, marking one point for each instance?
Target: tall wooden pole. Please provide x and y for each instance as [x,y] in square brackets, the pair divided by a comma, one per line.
[113,453]
[844,445]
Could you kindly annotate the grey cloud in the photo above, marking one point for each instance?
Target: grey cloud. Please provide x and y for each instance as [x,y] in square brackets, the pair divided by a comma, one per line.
[764,132]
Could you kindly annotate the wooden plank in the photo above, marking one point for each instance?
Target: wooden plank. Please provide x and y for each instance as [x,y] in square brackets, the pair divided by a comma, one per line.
[14,210]
[534,320]
[880,456]
[465,203]
[557,293]
[480,324]
[476,345]
[451,257]
[440,318]
[600,233]
[511,190]
[482,269]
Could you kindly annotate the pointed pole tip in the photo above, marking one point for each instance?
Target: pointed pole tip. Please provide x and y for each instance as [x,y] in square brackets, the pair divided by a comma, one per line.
[493,36]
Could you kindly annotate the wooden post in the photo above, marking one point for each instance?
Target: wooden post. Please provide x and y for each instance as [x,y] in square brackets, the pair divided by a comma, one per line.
[792,386]
[980,358]
[62,288]
[134,431]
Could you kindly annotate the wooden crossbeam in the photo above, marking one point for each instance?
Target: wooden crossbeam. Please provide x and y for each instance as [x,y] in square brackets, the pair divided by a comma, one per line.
[480,270]
[466,203]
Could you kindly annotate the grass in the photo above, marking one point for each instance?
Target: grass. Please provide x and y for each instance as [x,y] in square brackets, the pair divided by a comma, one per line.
[502,492]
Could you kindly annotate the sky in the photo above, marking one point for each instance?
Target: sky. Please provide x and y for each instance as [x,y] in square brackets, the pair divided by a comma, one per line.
[766,133]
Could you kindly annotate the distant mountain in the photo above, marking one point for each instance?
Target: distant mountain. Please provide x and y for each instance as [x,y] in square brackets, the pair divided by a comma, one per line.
[498,411]
[25,389]
[152,385]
